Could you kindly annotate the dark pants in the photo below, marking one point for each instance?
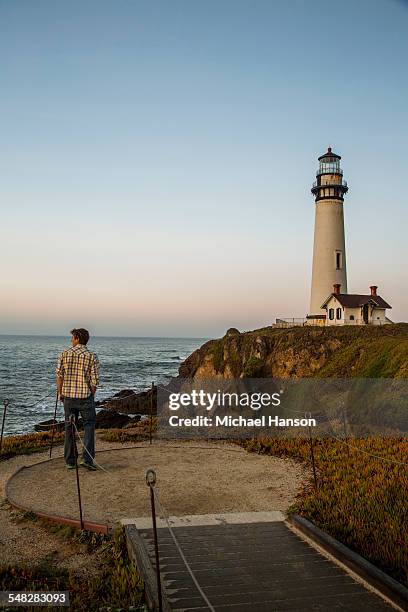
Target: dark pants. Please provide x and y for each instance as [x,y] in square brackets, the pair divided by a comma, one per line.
[86,408]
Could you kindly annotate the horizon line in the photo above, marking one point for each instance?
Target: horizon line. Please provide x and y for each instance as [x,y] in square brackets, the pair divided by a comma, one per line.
[103,336]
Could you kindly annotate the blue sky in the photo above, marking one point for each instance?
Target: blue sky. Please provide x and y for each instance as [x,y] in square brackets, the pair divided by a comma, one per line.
[156,159]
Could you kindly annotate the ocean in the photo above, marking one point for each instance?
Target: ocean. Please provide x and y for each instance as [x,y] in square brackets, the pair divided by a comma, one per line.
[27,371]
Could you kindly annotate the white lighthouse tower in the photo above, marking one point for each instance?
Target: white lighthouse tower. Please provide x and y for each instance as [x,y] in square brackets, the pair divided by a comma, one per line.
[329,249]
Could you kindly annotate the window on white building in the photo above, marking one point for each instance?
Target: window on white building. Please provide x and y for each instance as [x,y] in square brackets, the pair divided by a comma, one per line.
[338,313]
[331,314]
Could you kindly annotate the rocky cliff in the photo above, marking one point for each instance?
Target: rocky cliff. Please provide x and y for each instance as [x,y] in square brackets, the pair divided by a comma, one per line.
[300,352]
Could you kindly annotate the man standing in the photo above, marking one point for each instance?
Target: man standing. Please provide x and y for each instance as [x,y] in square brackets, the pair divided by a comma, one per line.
[77,380]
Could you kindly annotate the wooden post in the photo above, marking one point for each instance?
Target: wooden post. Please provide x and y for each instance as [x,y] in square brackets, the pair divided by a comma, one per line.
[345,429]
[151,481]
[312,454]
[151,414]
[5,403]
[53,425]
[77,471]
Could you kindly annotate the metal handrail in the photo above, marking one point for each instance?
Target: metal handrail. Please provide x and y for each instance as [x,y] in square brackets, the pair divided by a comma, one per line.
[291,319]
[299,322]
[290,322]
[340,184]
[342,322]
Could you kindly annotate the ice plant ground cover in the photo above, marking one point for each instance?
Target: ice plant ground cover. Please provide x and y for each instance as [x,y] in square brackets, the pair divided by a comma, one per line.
[28,443]
[361,495]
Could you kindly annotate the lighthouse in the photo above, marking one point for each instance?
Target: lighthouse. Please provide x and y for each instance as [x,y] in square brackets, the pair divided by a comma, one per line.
[330,302]
[329,249]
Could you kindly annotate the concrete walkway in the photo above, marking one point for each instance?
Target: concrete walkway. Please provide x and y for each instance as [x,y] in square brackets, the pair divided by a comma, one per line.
[245,562]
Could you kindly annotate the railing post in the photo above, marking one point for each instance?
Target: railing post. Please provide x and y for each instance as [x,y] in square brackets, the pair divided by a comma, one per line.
[53,425]
[312,454]
[151,481]
[151,415]
[345,429]
[5,403]
[76,469]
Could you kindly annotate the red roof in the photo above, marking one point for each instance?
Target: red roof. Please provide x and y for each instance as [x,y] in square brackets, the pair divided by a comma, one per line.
[354,300]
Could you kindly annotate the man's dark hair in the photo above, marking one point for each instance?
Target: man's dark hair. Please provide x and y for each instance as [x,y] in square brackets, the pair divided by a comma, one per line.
[81,334]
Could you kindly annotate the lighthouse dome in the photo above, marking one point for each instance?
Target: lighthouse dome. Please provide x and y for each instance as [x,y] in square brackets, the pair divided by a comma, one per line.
[329,153]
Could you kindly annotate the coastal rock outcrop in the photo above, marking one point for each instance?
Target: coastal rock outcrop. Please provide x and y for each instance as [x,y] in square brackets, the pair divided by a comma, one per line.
[303,352]
[128,401]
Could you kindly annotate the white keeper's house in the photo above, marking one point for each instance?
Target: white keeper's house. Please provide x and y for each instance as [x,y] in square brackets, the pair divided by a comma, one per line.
[355,309]
[330,302]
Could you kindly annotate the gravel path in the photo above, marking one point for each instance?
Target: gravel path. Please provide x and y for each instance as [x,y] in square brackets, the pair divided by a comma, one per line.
[193,478]
[26,542]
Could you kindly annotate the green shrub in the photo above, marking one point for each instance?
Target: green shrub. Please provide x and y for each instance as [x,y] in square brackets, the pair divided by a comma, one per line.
[218,355]
[253,367]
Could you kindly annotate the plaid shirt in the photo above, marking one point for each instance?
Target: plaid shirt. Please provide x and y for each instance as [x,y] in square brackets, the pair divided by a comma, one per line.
[79,370]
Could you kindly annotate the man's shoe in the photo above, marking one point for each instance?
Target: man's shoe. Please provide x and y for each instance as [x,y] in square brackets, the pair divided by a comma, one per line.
[89,466]
[69,466]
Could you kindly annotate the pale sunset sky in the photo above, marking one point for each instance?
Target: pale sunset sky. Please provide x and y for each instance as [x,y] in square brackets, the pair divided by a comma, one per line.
[156,159]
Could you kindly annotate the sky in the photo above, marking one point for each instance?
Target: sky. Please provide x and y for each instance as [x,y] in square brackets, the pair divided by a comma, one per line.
[156,159]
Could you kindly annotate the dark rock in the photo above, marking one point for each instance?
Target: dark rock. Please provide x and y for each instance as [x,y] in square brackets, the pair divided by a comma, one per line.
[108,419]
[48,425]
[130,402]
[105,419]
[125,393]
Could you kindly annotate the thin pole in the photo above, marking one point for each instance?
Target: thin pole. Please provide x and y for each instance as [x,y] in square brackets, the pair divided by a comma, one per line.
[151,414]
[53,425]
[156,550]
[312,454]
[76,469]
[151,481]
[5,403]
